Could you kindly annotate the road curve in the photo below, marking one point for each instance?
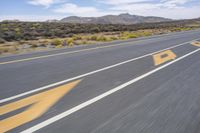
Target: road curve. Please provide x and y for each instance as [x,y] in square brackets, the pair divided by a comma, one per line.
[142,85]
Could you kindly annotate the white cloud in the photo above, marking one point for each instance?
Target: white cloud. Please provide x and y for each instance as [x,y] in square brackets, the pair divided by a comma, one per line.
[159,9]
[176,1]
[30,17]
[86,11]
[45,3]
[131,8]
[119,2]
[176,13]
[175,9]
[74,9]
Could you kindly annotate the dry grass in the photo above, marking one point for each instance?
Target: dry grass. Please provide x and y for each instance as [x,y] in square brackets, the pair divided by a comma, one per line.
[79,39]
[8,49]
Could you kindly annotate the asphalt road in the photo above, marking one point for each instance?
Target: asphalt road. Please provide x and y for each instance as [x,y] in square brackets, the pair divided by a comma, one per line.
[146,85]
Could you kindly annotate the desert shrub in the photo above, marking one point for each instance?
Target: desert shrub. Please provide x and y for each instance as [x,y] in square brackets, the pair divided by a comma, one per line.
[57,42]
[9,36]
[42,45]
[132,35]
[5,29]
[95,29]
[64,43]
[94,38]
[123,38]
[12,31]
[70,35]
[34,45]
[84,42]
[146,33]
[3,50]
[2,40]
[76,37]
[70,42]
[127,35]
[102,38]
[8,49]
[113,38]
[123,35]
[109,39]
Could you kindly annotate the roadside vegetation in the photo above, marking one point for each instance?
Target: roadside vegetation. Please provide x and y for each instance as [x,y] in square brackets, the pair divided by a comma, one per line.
[19,37]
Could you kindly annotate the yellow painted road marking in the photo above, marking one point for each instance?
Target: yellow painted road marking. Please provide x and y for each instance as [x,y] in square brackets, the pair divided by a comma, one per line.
[39,104]
[197,43]
[163,57]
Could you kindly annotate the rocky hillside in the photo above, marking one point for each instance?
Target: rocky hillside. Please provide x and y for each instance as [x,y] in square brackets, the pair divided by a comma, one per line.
[114,19]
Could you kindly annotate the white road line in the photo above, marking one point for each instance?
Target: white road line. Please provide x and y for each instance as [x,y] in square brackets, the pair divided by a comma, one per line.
[87,74]
[95,99]
[58,54]
[69,52]
[82,50]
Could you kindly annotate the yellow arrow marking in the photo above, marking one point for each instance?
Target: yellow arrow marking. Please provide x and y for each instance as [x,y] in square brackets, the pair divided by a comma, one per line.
[163,57]
[40,103]
[196,43]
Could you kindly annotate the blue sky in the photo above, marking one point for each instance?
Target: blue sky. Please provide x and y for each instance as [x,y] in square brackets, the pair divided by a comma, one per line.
[41,10]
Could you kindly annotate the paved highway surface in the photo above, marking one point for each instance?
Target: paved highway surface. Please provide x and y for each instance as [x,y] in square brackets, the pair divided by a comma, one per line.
[146,85]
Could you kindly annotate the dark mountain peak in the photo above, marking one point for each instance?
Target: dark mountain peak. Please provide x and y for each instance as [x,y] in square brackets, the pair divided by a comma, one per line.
[73,17]
[125,14]
[52,20]
[124,18]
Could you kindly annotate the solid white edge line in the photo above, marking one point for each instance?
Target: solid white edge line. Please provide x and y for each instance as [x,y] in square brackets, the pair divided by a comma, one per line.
[65,53]
[87,49]
[87,74]
[95,99]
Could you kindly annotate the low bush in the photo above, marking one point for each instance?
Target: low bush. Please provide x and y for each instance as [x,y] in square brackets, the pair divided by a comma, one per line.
[132,35]
[76,37]
[102,38]
[2,40]
[70,42]
[94,38]
[34,45]
[8,49]
[13,31]
[147,33]
[114,38]
[57,42]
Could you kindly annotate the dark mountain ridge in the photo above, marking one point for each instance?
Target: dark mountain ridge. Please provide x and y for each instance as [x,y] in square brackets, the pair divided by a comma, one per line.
[114,19]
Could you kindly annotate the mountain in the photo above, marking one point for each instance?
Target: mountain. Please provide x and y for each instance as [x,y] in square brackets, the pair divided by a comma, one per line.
[114,19]
[52,21]
[14,20]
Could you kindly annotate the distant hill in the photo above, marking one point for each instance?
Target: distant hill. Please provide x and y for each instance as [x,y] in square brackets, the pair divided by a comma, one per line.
[114,19]
[14,20]
[52,20]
